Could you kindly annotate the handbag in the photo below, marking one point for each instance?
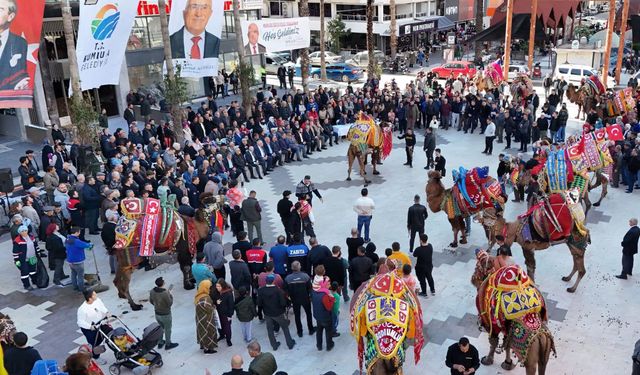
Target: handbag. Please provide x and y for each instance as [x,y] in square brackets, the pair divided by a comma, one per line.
[42,275]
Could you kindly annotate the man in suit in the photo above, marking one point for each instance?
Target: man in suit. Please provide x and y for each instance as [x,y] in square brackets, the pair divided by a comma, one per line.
[252,162]
[416,216]
[253,47]
[13,51]
[193,41]
[129,114]
[629,248]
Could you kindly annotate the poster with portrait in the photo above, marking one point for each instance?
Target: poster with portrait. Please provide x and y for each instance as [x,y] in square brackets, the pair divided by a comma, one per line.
[273,35]
[22,22]
[195,28]
[103,32]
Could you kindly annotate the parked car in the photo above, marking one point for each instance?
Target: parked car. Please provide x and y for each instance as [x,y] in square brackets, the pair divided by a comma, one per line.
[329,58]
[284,54]
[456,67]
[273,62]
[361,59]
[515,69]
[574,74]
[340,72]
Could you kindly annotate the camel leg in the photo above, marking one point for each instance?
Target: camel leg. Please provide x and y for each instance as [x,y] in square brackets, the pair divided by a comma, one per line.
[508,363]
[363,173]
[493,344]
[538,355]
[455,228]
[350,158]
[587,204]
[122,281]
[578,265]
[605,187]
[545,351]
[530,261]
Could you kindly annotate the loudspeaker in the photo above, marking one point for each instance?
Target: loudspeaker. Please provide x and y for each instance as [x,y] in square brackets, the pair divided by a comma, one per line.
[6,180]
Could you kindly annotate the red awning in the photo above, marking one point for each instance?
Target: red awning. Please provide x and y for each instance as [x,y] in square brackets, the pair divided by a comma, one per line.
[551,11]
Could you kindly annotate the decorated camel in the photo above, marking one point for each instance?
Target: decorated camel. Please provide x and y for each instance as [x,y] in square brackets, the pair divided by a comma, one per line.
[386,318]
[367,137]
[555,219]
[490,78]
[473,191]
[509,303]
[152,227]
[583,98]
[521,88]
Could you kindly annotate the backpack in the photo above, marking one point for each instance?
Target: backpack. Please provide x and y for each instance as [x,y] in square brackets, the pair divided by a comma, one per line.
[328,301]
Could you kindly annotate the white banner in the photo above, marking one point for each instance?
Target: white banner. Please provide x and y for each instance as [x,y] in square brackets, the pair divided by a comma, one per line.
[195,27]
[273,35]
[103,32]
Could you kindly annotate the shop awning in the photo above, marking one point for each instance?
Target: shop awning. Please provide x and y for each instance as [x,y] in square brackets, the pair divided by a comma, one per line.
[444,23]
[519,30]
[553,10]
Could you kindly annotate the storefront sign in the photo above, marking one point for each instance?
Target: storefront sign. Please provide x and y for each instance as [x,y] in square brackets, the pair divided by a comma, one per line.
[273,35]
[195,27]
[419,27]
[459,10]
[103,32]
[451,10]
[150,7]
[19,57]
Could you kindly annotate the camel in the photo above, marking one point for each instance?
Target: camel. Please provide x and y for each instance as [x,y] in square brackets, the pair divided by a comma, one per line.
[533,354]
[601,180]
[436,195]
[190,234]
[512,232]
[579,96]
[365,136]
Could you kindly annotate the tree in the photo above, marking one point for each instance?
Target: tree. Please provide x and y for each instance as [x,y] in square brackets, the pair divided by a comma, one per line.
[304,53]
[244,70]
[83,116]
[47,83]
[337,30]
[323,63]
[372,63]
[479,25]
[393,36]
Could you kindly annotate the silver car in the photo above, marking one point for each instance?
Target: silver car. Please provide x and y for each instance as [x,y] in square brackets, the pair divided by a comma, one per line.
[361,59]
[329,58]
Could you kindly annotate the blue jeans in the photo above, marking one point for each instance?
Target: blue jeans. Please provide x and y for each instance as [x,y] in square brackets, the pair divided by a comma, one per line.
[77,276]
[334,318]
[560,134]
[366,221]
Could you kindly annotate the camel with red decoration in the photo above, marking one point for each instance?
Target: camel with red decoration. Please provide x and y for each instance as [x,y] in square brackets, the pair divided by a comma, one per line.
[553,220]
[151,228]
[509,303]
[366,137]
[386,318]
[473,191]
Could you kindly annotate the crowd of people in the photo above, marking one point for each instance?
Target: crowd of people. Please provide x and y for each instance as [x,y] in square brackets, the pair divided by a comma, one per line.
[224,148]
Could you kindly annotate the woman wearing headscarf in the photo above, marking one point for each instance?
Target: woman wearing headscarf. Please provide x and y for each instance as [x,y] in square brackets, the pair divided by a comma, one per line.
[206,332]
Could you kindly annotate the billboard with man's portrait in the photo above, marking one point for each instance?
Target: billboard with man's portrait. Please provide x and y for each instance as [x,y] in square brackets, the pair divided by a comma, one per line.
[273,35]
[20,26]
[195,28]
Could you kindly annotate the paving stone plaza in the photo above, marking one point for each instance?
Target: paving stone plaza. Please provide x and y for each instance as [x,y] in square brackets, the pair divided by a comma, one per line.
[594,329]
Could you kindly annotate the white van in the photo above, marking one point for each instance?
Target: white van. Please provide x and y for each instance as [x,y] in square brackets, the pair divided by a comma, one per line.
[574,73]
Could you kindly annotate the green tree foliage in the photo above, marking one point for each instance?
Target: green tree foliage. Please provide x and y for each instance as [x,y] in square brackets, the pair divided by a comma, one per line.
[337,30]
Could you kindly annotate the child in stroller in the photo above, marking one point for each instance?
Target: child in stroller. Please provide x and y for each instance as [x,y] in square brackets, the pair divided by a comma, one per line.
[131,352]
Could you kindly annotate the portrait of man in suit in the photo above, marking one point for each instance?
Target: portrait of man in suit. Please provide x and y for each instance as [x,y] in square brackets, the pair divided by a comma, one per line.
[253,47]
[13,51]
[193,41]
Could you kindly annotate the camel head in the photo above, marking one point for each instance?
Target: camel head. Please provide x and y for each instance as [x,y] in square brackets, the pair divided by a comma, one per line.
[434,190]
[484,266]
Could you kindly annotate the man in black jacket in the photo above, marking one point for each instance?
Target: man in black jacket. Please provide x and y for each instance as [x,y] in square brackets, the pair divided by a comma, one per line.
[317,254]
[629,248]
[360,269]
[334,268]
[416,216]
[424,265]
[298,286]
[271,300]
[462,357]
[284,210]
[108,235]
[20,358]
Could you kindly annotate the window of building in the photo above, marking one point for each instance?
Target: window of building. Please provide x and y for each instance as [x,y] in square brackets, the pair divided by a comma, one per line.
[314,10]
[275,8]
[155,32]
[139,37]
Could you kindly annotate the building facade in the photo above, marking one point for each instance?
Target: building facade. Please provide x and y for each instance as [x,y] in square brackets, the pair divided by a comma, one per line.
[142,68]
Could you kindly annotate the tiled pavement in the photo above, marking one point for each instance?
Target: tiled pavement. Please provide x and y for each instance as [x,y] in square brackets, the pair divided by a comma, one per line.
[595,328]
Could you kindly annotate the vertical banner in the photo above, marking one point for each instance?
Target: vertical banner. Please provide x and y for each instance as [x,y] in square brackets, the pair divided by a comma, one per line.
[195,28]
[103,32]
[149,226]
[20,27]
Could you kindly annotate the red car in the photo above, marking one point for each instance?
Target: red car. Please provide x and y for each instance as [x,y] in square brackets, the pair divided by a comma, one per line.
[455,67]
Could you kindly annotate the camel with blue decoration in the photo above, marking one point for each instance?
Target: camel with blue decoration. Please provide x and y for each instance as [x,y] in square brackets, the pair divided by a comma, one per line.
[472,192]
[510,304]
[153,229]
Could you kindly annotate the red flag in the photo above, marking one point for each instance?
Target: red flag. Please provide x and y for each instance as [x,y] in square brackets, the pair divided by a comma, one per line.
[614,132]
[599,134]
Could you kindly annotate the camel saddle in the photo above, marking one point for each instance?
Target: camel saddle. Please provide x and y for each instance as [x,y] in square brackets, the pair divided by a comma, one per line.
[475,190]
[549,220]
[508,294]
[129,227]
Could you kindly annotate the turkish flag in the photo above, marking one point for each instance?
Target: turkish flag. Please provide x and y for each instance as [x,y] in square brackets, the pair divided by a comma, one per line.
[599,134]
[615,133]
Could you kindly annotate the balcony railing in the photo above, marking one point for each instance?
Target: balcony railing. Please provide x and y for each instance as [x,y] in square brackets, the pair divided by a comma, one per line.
[356,17]
[398,17]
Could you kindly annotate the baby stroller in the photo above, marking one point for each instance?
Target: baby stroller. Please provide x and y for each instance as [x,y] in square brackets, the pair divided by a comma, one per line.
[131,352]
